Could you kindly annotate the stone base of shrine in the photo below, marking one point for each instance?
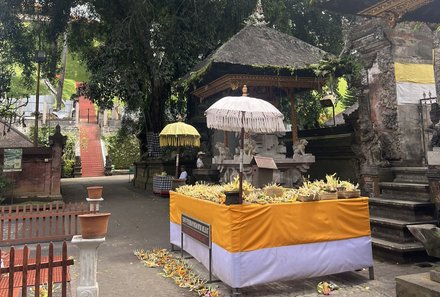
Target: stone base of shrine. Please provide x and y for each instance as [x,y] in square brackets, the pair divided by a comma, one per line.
[420,285]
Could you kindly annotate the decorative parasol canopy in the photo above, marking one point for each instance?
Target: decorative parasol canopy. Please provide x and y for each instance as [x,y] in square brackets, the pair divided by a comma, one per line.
[244,114]
[179,134]
[232,113]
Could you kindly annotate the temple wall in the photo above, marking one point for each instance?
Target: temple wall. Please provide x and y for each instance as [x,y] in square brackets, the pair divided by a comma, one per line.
[399,64]
[412,45]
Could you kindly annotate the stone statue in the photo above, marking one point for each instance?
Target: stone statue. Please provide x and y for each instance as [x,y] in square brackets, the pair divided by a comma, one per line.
[223,150]
[299,148]
[249,147]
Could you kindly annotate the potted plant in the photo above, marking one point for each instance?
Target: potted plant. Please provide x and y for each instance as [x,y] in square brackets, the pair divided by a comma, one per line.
[93,225]
[94,192]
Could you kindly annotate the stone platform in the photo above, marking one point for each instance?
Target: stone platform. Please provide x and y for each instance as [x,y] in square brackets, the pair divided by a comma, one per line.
[417,285]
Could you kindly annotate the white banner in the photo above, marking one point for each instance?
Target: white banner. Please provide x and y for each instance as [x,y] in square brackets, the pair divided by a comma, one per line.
[411,93]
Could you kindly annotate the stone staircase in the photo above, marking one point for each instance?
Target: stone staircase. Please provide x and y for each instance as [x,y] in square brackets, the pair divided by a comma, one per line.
[90,141]
[404,200]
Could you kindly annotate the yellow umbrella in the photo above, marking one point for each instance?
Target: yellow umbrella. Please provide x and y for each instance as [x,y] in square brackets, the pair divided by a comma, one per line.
[178,135]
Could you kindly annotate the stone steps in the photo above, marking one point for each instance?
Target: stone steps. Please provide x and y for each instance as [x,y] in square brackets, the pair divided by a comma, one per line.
[398,252]
[410,174]
[409,211]
[404,200]
[393,230]
[405,191]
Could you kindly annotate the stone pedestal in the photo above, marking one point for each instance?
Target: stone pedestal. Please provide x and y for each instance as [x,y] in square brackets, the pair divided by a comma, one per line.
[370,181]
[433,157]
[289,173]
[433,176]
[435,274]
[206,175]
[77,167]
[105,118]
[94,204]
[423,284]
[370,178]
[77,114]
[418,284]
[144,172]
[88,259]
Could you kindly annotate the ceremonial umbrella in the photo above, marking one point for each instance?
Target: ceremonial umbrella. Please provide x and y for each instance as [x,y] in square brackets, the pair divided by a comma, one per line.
[179,135]
[244,114]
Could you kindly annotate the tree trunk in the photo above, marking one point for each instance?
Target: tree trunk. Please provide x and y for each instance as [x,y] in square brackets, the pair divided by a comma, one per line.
[160,93]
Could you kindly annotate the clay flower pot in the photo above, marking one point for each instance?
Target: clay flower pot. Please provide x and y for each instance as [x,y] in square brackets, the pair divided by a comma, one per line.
[94,192]
[93,225]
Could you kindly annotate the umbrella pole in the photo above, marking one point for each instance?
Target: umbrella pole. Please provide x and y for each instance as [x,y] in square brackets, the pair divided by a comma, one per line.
[177,163]
[240,187]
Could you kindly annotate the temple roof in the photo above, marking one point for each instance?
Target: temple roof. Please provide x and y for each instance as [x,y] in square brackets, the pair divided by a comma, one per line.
[260,47]
[402,10]
[13,138]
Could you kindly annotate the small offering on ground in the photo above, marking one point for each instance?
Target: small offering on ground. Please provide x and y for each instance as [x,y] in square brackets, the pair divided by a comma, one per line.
[177,269]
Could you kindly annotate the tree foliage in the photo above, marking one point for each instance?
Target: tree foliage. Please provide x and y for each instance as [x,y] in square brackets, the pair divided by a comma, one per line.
[300,19]
[346,67]
[138,49]
[25,26]
[134,50]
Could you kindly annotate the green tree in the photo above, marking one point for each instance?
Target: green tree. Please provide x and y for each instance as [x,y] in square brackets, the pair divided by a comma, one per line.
[304,21]
[15,50]
[26,26]
[138,49]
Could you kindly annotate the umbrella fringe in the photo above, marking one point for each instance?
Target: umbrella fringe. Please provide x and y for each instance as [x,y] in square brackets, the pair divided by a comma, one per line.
[181,140]
[263,123]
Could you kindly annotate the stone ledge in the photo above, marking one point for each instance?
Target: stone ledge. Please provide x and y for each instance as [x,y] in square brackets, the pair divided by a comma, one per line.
[417,285]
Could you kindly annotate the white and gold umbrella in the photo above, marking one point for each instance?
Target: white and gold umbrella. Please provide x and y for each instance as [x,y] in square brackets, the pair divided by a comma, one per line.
[244,114]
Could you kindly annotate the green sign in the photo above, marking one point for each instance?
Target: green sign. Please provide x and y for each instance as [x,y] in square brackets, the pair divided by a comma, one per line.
[12,160]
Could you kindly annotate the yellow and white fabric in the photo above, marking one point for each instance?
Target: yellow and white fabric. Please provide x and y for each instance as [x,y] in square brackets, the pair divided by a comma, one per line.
[412,80]
[256,244]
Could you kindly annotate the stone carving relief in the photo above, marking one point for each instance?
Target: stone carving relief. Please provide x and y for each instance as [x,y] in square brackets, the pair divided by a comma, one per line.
[434,127]
[370,144]
[249,147]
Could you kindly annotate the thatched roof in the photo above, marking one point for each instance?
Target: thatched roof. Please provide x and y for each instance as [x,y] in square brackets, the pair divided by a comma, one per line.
[417,10]
[261,47]
[13,138]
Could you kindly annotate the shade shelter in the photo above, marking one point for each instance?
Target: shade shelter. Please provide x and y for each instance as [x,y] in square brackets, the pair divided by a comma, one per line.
[244,114]
[178,135]
[272,65]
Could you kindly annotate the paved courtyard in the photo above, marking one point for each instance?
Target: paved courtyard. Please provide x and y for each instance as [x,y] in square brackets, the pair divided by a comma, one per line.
[140,220]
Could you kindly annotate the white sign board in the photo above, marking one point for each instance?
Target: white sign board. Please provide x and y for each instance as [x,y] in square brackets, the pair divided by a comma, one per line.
[12,160]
